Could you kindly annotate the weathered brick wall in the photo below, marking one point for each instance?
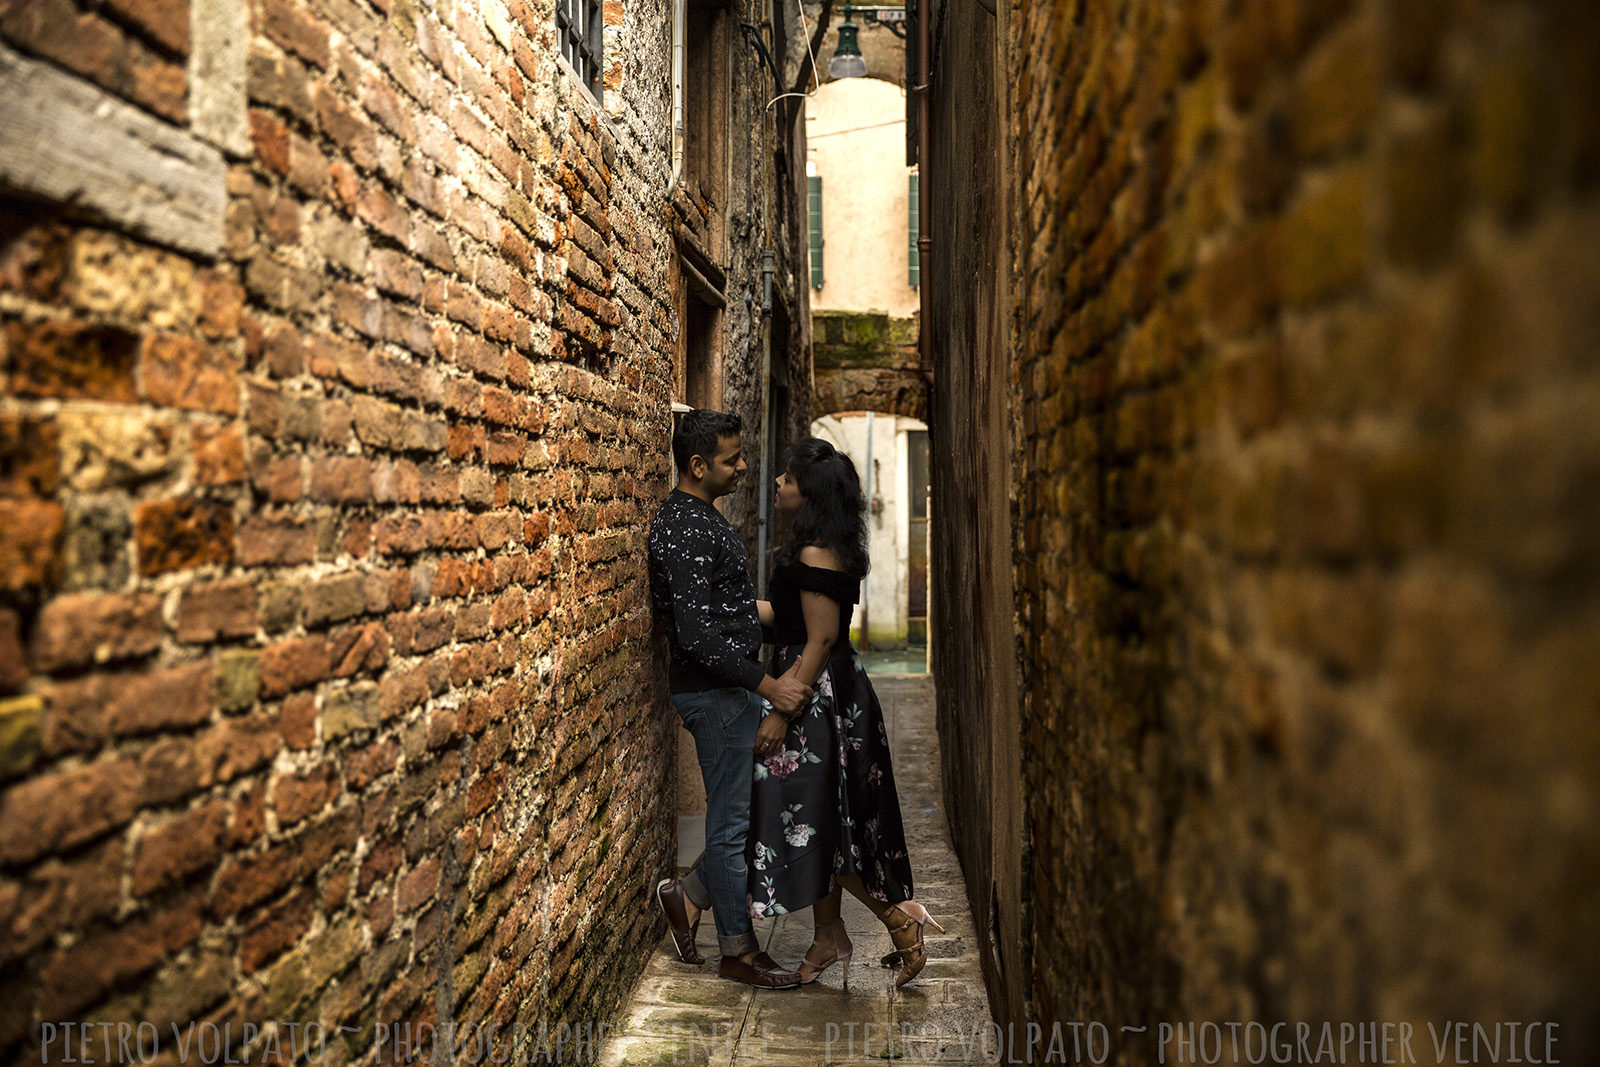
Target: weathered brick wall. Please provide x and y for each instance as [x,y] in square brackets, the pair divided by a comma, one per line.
[1307,316]
[755,204]
[1304,302]
[763,353]
[327,688]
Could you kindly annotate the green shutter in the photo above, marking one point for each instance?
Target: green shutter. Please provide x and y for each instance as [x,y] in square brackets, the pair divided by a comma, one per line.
[814,213]
[915,272]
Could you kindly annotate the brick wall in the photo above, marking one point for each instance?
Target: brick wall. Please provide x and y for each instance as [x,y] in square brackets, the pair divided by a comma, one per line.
[1304,333]
[336,340]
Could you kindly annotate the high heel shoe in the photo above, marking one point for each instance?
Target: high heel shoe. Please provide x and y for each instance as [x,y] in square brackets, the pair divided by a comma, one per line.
[810,972]
[909,917]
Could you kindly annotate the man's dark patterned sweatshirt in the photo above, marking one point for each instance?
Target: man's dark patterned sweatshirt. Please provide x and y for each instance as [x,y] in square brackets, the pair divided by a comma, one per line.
[700,583]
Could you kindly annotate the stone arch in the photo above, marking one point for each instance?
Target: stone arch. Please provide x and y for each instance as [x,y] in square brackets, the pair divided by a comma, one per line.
[885,391]
[867,361]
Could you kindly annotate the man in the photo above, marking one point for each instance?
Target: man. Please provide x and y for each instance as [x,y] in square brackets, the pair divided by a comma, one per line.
[700,583]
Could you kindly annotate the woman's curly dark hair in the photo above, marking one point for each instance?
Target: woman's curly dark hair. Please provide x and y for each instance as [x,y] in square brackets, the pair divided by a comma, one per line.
[833,510]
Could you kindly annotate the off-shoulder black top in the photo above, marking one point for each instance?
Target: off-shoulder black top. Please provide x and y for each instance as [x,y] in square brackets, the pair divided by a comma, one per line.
[789,580]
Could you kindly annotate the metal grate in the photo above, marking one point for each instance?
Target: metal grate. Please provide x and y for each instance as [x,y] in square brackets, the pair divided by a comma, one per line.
[581,24]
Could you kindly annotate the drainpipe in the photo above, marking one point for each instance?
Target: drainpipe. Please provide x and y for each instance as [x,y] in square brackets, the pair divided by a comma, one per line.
[924,135]
[680,18]
[769,267]
[769,260]
[924,247]
[866,641]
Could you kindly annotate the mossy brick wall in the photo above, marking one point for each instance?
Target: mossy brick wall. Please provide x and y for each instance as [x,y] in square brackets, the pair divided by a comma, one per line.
[868,361]
[327,688]
[1307,321]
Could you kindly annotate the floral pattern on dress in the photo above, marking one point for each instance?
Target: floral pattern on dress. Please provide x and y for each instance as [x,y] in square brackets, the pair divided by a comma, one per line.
[783,763]
[814,821]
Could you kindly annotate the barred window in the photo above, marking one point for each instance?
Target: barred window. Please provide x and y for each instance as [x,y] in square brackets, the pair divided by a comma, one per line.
[581,24]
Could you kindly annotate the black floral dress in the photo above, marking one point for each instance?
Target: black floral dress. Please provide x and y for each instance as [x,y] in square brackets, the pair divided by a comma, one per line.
[825,805]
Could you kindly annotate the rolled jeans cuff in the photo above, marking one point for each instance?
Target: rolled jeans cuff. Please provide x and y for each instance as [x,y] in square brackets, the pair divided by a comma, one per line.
[698,895]
[738,944]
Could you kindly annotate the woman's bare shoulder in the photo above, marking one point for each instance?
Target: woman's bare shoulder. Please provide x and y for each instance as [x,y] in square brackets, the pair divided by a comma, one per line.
[818,556]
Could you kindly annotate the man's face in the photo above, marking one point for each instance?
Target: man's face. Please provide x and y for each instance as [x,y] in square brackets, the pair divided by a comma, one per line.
[725,468]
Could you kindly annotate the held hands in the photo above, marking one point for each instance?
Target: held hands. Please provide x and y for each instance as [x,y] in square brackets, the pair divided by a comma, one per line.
[770,734]
[787,694]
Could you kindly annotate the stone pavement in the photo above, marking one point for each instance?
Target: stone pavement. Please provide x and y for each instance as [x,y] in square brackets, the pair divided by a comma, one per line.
[687,1015]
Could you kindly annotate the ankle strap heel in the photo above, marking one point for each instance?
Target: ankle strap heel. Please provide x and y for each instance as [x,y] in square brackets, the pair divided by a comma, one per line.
[905,922]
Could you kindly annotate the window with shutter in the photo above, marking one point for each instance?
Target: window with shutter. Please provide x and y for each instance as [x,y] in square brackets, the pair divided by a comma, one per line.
[814,214]
[914,274]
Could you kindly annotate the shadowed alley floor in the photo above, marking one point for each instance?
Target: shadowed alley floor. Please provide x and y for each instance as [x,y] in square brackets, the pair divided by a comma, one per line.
[687,1015]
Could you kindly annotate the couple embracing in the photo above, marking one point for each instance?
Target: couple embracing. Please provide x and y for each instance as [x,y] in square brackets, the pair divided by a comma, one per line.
[800,796]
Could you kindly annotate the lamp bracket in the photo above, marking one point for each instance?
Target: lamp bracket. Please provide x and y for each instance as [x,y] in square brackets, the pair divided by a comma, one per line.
[890,18]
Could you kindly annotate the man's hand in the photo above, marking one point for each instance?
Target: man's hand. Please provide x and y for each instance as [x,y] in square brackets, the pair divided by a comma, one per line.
[770,734]
[788,694]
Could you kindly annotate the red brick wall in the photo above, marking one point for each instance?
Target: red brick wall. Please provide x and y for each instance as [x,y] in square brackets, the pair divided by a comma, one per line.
[327,688]
[135,49]
[1304,331]
[1307,390]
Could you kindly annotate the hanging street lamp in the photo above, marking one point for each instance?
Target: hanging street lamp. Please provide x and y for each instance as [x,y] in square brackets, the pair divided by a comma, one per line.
[847,60]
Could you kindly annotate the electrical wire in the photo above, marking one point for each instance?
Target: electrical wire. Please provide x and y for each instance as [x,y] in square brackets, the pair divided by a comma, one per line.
[854,129]
[816,76]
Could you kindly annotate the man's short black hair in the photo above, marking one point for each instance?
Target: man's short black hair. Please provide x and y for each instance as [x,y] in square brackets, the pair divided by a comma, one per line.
[698,434]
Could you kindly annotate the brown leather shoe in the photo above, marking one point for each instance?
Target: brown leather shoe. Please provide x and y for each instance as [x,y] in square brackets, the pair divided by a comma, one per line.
[763,971]
[669,894]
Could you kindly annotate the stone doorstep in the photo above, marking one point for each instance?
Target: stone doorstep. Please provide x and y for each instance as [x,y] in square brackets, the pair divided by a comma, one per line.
[677,1020]
[700,988]
[804,1015]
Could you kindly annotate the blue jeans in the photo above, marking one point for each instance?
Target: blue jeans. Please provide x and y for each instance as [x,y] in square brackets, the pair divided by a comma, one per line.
[723,722]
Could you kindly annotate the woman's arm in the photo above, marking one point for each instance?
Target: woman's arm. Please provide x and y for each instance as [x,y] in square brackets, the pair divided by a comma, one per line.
[764,609]
[822,618]
[822,632]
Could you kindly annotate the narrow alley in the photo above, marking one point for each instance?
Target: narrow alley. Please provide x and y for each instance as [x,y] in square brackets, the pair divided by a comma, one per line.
[685,1014]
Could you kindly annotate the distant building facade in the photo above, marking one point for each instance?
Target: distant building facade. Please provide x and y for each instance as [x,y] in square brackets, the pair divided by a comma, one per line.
[871,394]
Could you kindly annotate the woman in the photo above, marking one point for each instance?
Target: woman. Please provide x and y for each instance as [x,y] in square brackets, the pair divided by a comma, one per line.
[824,815]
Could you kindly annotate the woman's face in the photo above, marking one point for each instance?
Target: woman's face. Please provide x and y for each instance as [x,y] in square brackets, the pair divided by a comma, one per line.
[788,497]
